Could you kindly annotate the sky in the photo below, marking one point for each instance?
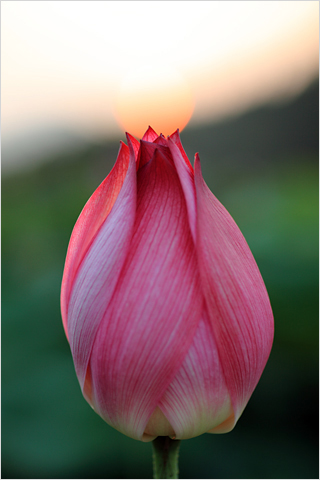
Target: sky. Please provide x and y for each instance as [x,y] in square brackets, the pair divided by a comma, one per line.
[92,69]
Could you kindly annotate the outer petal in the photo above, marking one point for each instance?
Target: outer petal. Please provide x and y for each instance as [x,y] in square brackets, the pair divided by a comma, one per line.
[236,297]
[133,144]
[175,138]
[186,176]
[150,323]
[197,399]
[89,222]
[98,273]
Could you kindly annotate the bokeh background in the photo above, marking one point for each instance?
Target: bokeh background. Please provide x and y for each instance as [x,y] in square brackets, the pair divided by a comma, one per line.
[251,70]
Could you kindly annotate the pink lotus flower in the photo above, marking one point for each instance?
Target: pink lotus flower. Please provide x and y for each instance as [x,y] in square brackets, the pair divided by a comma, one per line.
[168,318]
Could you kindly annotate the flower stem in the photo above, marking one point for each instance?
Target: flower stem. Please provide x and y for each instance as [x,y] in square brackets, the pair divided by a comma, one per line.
[165,457]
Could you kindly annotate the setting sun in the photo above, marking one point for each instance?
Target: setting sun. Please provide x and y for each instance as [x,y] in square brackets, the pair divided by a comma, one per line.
[155,95]
[122,66]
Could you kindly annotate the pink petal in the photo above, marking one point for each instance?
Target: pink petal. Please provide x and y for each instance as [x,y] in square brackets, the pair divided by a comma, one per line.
[134,143]
[147,150]
[175,138]
[150,322]
[158,425]
[197,399]
[150,135]
[98,273]
[238,304]
[186,176]
[161,140]
[89,222]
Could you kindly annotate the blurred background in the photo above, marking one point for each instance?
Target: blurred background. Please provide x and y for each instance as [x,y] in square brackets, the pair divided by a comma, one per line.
[241,80]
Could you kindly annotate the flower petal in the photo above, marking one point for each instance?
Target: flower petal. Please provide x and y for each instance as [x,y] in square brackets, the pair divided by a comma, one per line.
[134,144]
[161,140]
[197,399]
[98,273]
[150,323]
[186,176]
[238,304]
[150,135]
[158,425]
[175,138]
[90,220]
[147,150]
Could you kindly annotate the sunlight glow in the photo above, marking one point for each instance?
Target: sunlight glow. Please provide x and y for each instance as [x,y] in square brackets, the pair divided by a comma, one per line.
[83,65]
[154,94]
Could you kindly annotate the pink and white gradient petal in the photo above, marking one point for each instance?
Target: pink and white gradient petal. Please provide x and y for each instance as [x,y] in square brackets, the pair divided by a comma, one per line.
[237,301]
[94,213]
[197,399]
[175,138]
[186,176]
[133,144]
[98,273]
[150,323]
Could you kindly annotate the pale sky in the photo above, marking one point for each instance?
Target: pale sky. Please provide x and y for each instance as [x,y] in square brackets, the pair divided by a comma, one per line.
[66,63]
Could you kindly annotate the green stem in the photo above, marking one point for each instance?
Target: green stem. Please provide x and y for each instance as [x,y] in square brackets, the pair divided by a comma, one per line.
[165,457]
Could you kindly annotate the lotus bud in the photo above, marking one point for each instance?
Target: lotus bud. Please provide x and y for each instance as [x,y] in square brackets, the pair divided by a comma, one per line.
[167,316]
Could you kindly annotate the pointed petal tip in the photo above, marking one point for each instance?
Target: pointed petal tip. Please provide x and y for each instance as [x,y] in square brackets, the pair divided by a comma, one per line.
[197,164]
[133,145]
[150,135]
[130,142]
[122,146]
[174,134]
[129,137]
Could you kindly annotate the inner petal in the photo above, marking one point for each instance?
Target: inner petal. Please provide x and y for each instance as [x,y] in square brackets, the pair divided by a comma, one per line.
[197,400]
[159,425]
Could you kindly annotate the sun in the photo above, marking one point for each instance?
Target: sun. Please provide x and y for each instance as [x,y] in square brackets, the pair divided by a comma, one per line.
[156,95]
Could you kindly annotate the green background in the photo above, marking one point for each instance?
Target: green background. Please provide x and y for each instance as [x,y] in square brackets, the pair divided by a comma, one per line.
[263,166]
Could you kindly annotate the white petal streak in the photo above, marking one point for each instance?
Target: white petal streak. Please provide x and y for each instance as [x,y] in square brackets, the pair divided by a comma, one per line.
[197,399]
[99,272]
